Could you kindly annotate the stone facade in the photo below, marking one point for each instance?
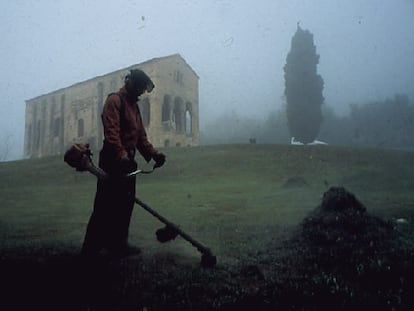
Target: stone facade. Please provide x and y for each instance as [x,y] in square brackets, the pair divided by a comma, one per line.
[57,120]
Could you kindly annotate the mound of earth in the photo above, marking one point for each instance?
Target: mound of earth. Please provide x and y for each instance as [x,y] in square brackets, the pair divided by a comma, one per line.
[338,258]
[343,258]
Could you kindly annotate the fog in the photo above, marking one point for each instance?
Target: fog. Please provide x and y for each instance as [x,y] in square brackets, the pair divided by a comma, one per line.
[238,49]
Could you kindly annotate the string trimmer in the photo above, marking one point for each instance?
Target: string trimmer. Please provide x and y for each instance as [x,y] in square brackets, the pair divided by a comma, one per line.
[80,157]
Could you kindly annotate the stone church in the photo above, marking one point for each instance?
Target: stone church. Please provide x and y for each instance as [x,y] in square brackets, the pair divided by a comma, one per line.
[170,113]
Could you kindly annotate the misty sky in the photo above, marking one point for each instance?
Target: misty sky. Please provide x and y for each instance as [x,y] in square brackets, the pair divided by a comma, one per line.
[237,47]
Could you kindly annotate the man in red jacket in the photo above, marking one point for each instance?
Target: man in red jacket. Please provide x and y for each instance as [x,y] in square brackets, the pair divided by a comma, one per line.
[115,197]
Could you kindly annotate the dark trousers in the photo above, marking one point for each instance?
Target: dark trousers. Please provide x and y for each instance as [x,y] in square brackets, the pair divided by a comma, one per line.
[114,200]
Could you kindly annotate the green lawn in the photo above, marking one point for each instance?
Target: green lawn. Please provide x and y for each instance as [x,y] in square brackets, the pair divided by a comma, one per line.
[221,195]
[238,200]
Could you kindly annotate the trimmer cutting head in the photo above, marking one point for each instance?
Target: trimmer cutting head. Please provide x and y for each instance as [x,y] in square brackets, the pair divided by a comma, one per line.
[166,234]
[208,260]
[169,233]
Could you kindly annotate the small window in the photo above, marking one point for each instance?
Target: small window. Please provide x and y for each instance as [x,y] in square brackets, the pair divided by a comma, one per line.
[178,76]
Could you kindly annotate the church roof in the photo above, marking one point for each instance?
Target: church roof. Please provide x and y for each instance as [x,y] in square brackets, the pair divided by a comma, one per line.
[153,60]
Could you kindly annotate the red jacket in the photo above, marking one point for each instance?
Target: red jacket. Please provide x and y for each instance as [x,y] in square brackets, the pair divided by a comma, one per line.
[123,127]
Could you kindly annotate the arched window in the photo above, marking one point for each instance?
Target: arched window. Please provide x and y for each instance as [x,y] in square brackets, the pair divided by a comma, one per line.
[100,90]
[29,138]
[37,135]
[52,116]
[80,128]
[113,85]
[56,127]
[100,96]
[144,107]
[178,115]
[62,120]
[188,119]
[166,109]
[188,122]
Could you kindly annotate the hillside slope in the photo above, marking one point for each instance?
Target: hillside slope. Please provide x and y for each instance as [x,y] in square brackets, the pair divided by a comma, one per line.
[248,203]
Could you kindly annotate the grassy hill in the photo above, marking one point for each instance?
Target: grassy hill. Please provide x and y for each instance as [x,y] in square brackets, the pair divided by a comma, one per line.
[236,199]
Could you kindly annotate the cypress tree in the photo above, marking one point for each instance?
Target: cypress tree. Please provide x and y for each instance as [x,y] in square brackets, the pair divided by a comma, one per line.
[303,88]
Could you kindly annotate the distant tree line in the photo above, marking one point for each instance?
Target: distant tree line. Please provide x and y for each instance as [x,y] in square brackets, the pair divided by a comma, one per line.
[381,124]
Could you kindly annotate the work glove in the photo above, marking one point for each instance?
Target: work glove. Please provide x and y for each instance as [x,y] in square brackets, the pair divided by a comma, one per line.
[159,159]
[126,165]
